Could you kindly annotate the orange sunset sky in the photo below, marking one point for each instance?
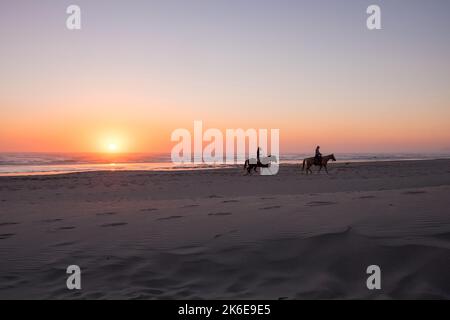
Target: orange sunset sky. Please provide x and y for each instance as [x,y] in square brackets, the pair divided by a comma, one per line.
[133,74]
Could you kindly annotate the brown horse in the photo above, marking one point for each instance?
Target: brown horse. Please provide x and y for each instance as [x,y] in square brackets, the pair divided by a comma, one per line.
[323,164]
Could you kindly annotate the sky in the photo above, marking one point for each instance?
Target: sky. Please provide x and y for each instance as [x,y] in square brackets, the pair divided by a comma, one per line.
[138,70]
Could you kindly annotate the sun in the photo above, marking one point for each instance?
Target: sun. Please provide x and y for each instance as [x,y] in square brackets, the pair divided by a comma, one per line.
[112,142]
[112,147]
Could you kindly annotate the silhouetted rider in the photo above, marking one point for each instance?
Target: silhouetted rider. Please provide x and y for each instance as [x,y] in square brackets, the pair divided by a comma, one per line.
[258,163]
[318,156]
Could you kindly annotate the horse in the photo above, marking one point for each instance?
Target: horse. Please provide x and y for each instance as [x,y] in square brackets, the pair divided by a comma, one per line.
[323,163]
[253,163]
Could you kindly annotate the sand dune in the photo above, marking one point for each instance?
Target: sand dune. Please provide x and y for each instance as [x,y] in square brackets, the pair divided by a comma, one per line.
[219,234]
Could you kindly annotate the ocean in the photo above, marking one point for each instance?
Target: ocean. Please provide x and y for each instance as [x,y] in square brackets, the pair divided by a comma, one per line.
[12,164]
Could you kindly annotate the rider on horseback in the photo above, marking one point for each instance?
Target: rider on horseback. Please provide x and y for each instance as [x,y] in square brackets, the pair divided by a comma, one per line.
[318,156]
[258,162]
[317,160]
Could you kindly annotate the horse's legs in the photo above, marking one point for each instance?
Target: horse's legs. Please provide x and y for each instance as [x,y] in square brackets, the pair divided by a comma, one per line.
[320,169]
[326,170]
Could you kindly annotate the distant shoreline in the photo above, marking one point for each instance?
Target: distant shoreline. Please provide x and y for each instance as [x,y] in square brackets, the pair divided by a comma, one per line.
[169,168]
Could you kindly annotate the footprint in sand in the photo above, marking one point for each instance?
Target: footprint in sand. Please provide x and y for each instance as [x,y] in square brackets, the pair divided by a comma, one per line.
[67,228]
[51,220]
[6,235]
[114,224]
[149,209]
[414,192]
[271,207]
[191,206]
[214,196]
[63,244]
[267,198]
[106,214]
[170,218]
[224,234]
[367,197]
[230,201]
[5,224]
[320,203]
[220,214]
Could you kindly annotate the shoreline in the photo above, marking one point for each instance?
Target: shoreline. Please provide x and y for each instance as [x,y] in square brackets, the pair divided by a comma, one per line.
[202,167]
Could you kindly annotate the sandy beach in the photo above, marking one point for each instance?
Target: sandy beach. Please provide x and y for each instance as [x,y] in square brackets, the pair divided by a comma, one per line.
[217,234]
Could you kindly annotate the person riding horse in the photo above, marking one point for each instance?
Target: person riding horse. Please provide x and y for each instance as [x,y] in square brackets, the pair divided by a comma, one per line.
[318,156]
[317,160]
[258,162]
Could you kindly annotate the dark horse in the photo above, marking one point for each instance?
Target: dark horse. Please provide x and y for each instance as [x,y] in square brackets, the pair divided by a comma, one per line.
[254,164]
[323,163]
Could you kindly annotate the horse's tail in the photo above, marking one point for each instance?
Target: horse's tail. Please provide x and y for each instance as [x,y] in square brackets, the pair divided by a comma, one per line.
[245,164]
[303,168]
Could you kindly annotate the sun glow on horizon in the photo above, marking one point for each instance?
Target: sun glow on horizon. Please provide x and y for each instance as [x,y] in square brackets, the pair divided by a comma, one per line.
[112,143]
[113,148]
